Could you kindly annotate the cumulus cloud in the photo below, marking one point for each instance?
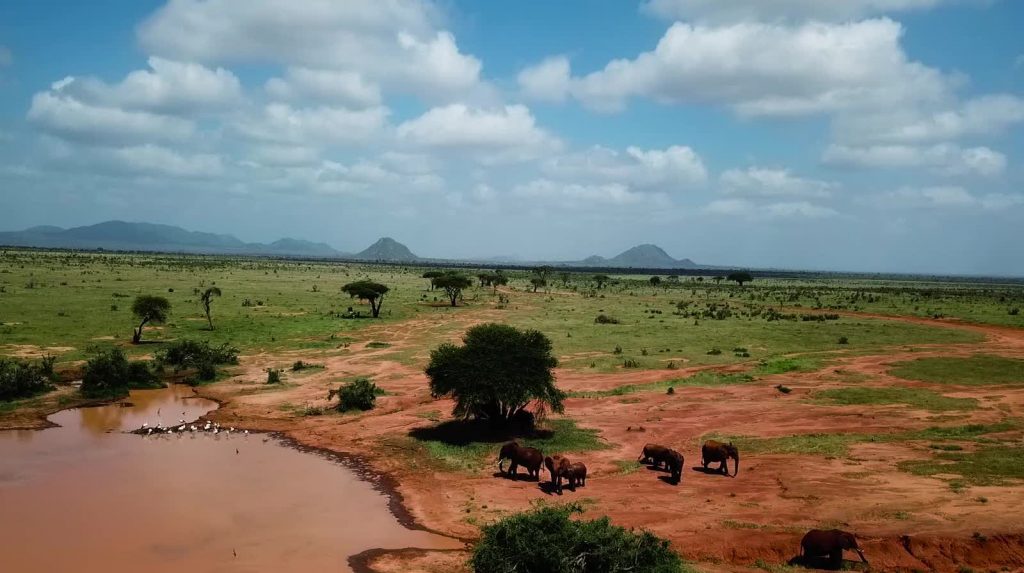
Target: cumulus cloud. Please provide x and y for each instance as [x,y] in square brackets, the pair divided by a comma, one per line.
[60,114]
[674,167]
[155,160]
[282,123]
[167,87]
[509,133]
[944,197]
[584,196]
[983,116]
[330,86]
[362,177]
[945,159]
[546,81]
[391,42]
[773,182]
[771,10]
[750,210]
[768,70]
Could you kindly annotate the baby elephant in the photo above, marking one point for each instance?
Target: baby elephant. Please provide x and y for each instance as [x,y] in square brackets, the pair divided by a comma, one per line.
[577,475]
[829,544]
[713,451]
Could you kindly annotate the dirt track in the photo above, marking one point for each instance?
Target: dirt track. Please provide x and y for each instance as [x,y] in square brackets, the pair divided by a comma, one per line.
[906,522]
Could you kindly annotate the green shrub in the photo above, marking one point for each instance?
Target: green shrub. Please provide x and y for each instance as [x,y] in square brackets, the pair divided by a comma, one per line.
[844,340]
[360,394]
[24,379]
[273,376]
[109,374]
[605,319]
[190,354]
[546,540]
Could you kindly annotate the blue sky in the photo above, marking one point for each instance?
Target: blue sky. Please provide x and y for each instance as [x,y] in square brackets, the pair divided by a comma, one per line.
[875,135]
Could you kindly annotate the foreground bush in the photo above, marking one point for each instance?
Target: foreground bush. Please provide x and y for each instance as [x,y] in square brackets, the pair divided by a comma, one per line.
[189,354]
[24,379]
[546,540]
[109,374]
[360,394]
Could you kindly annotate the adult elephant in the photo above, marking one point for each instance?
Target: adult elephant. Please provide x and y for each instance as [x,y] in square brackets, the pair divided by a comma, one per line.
[558,467]
[529,458]
[829,544]
[714,451]
[674,463]
[654,454]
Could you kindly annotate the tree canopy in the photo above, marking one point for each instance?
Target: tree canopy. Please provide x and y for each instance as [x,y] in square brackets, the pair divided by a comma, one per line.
[655,281]
[206,298]
[601,280]
[453,285]
[497,372]
[148,308]
[371,292]
[538,282]
[740,277]
[432,275]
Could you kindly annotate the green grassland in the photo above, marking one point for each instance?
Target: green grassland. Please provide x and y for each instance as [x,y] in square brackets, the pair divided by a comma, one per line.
[978,370]
[894,395]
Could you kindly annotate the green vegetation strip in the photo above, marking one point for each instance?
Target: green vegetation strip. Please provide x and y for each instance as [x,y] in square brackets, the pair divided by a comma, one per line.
[701,380]
[979,370]
[565,436]
[913,397]
[990,465]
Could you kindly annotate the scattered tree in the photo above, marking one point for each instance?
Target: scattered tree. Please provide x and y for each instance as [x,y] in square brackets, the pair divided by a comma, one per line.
[565,278]
[453,285]
[538,282]
[718,279]
[542,271]
[655,281]
[369,291]
[601,280]
[109,374]
[149,308]
[24,379]
[207,297]
[546,538]
[740,277]
[498,279]
[431,275]
[360,394]
[497,372]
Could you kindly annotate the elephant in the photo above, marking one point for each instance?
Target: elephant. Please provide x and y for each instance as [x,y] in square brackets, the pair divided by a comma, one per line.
[713,451]
[558,467]
[529,458]
[829,544]
[654,454]
[577,475]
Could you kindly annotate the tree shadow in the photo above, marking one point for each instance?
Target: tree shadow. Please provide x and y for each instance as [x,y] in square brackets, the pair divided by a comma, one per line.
[466,432]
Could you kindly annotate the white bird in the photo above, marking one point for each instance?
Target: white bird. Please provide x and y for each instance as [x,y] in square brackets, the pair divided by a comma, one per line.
[149,431]
[145,424]
[247,432]
[231,429]
[181,428]
[168,431]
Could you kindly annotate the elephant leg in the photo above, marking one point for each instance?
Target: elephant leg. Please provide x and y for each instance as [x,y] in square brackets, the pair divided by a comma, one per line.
[705,463]
[512,469]
[722,468]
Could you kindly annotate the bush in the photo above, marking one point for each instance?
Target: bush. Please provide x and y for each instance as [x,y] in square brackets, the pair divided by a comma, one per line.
[714,352]
[273,376]
[844,340]
[605,319]
[24,379]
[189,354]
[360,394]
[546,540]
[109,374]
[1014,311]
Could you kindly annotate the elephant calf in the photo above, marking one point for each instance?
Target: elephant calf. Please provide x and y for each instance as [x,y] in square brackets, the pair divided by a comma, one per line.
[559,467]
[529,458]
[577,475]
[829,544]
[713,451]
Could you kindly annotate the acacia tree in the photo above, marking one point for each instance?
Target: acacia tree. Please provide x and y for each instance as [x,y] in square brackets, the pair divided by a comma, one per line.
[718,279]
[431,275]
[497,372]
[148,308]
[498,279]
[538,282]
[542,271]
[655,281]
[565,278]
[740,277]
[453,285]
[206,298]
[601,280]
[369,291]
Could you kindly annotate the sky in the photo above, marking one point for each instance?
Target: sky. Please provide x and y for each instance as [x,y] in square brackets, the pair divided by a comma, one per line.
[859,135]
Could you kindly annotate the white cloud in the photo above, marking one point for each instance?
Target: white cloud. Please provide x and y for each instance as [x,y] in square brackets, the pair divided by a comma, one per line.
[944,197]
[366,178]
[983,116]
[60,114]
[499,134]
[285,155]
[546,81]
[773,182]
[153,160]
[760,10]
[167,87]
[345,88]
[946,159]
[282,123]
[395,43]
[578,196]
[768,69]
[750,210]
[674,167]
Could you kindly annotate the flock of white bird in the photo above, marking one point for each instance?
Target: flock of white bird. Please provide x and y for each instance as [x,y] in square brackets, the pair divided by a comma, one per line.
[182,427]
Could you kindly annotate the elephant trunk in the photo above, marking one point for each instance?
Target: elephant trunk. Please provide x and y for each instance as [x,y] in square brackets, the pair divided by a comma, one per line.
[736,468]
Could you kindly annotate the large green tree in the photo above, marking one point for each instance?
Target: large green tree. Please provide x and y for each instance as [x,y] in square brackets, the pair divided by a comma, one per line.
[496,373]
[148,308]
[740,277]
[432,275]
[601,280]
[538,282]
[371,292]
[206,298]
[453,285]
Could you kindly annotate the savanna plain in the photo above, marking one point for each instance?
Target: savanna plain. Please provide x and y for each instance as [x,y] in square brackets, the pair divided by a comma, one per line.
[890,407]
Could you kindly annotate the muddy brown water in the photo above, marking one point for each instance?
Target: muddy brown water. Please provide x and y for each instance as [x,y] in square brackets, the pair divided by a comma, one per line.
[86,496]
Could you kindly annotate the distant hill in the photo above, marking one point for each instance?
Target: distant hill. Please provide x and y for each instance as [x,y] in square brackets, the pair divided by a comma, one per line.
[640,257]
[387,249]
[124,236]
